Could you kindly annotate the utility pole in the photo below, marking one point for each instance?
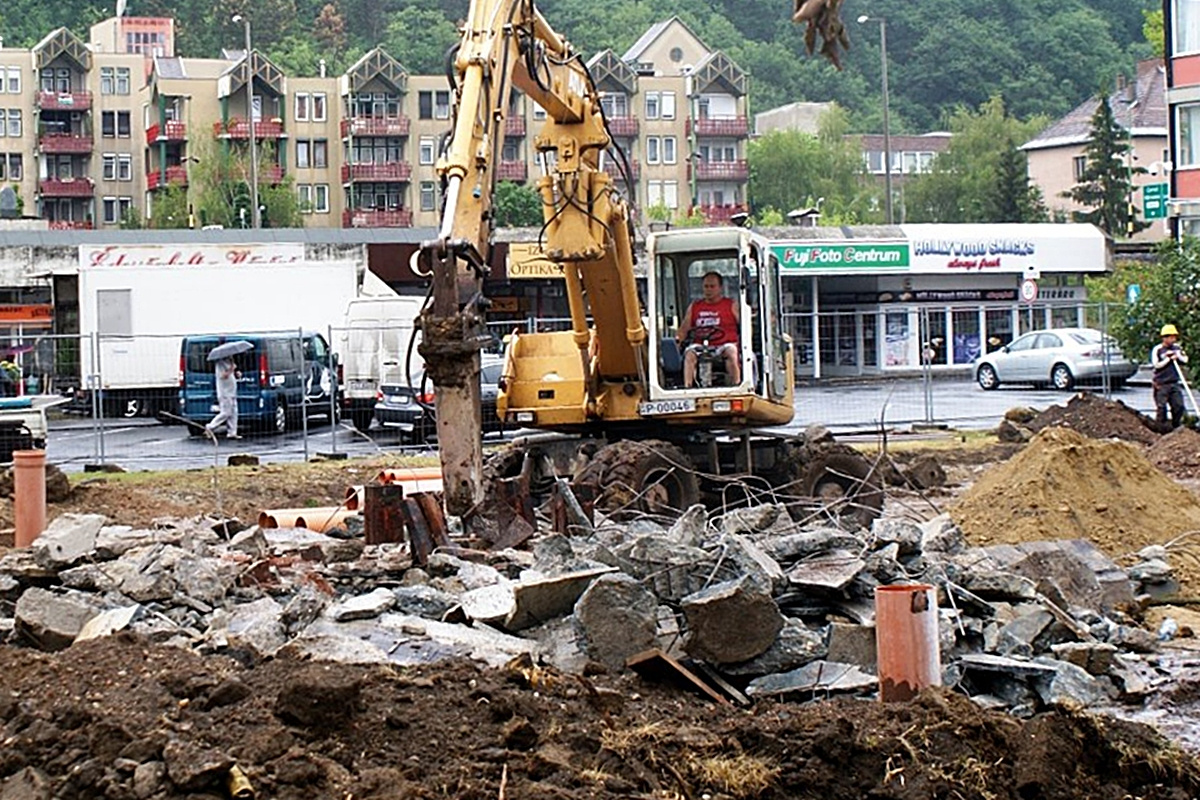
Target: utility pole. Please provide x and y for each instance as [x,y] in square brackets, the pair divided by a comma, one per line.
[255,213]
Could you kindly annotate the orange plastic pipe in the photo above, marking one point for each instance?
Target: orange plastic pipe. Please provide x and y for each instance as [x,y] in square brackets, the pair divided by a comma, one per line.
[354,498]
[29,491]
[317,519]
[409,474]
[906,639]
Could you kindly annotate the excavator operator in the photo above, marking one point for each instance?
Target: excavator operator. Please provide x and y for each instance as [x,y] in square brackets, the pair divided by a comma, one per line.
[712,320]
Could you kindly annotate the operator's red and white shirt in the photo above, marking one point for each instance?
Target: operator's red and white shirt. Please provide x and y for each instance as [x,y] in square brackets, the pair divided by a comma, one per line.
[718,317]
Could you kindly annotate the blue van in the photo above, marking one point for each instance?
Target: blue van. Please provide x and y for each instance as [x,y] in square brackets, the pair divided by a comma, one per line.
[281,376]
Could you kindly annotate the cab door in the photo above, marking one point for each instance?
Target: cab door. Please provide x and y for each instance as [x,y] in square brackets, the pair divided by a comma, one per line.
[776,350]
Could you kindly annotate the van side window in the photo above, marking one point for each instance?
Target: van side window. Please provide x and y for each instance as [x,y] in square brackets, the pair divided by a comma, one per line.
[315,350]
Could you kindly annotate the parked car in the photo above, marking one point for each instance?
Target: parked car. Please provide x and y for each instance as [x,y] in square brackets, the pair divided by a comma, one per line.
[410,409]
[1060,358]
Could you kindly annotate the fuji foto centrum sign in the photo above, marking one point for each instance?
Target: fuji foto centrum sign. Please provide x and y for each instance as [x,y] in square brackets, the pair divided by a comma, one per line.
[843,257]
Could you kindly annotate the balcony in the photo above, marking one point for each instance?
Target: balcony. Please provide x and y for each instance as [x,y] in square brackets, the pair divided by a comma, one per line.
[375,126]
[66,187]
[623,126]
[55,143]
[367,218]
[517,171]
[612,167]
[393,171]
[271,173]
[69,225]
[240,129]
[720,170]
[172,131]
[514,125]
[176,175]
[717,215]
[65,101]
[735,127]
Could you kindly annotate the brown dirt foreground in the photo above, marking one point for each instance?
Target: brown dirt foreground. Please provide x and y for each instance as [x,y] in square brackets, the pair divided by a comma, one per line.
[78,724]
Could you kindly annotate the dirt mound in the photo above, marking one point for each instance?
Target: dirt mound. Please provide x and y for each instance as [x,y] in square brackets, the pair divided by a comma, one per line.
[122,718]
[1093,416]
[1177,453]
[1064,485]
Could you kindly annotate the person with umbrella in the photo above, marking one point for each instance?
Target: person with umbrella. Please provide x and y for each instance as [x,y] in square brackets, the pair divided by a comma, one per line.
[227,374]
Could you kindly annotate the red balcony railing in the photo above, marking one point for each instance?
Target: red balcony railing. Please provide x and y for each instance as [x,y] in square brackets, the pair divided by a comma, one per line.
[172,131]
[376,126]
[719,214]
[720,170]
[514,125]
[613,168]
[387,171]
[512,171]
[272,173]
[67,187]
[738,127]
[64,101]
[367,218]
[69,225]
[240,129]
[65,143]
[623,126]
[176,175]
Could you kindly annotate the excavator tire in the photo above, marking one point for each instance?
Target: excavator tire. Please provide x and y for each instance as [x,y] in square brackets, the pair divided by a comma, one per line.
[631,477]
[842,481]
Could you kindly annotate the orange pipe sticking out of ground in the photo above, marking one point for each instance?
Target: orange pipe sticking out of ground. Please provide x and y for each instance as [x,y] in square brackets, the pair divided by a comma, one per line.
[354,498]
[29,495]
[318,519]
[409,474]
[906,637]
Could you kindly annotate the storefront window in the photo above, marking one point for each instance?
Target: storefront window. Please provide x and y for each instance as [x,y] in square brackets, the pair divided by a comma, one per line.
[847,340]
[1064,317]
[896,339]
[998,322]
[827,333]
[870,325]
[933,341]
[966,336]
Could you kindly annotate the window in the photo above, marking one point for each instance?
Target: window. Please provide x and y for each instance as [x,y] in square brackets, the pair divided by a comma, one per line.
[1189,135]
[123,124]
[428,196]
[652,105]
[14,122]
[122,80]
[304,197]
[3,166]
[425,105]
[668,150]
[615,105]
[124,167]
[321,198]
[318,107]
[538,111]
[106,87]
[62,80]
[653,147]
[303,149]
[510,151]
[441,105]
[1078,167]
[108,124]
[320,153]
[302,104]
[14,80]
[663,192]
[926,163]
[110,210]
[124,206]
[425,150]
[909,161]
[109,172]
[14,166]
[668,105]
[1186,21]
[3,126]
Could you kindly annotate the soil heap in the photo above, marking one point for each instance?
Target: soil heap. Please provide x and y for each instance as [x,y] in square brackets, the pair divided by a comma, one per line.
[1177,453]
[1093,416]
[1064,485]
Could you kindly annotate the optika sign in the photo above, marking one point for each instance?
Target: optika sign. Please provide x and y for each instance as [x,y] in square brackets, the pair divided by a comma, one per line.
[852,257]
[190,256]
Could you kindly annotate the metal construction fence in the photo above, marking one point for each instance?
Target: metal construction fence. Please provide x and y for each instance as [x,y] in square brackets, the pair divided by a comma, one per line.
[124,400]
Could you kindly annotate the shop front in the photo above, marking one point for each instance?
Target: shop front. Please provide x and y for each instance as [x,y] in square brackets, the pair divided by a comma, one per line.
[939,296]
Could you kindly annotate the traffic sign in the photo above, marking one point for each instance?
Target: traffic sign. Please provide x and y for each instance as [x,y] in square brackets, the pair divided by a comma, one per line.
[1132,292]
[1154,201]
[1029,290]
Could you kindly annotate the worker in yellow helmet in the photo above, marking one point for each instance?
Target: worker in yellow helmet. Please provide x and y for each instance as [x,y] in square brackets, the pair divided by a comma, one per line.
[1165,358]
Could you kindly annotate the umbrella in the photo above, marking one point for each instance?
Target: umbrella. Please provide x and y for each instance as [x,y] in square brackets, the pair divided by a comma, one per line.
[229,349]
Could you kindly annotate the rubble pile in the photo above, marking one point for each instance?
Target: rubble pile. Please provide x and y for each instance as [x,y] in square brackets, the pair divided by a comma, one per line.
[1177,453]
[1093,416]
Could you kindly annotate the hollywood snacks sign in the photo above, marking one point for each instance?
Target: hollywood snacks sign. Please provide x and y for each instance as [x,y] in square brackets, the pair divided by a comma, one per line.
[969,255]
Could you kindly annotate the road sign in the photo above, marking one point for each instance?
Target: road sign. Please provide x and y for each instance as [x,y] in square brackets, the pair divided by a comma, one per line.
[1029,290]
[1132,292]
[1154,201]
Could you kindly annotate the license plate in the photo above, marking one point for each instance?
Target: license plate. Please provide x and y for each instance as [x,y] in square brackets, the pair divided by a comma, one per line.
[362,384]
[656,408]
[397,400]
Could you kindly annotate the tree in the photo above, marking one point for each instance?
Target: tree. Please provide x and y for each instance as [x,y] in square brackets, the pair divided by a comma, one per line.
[330,29]
[223,194]
[1152,29]
[1106,184]
[517,206]
[169,208]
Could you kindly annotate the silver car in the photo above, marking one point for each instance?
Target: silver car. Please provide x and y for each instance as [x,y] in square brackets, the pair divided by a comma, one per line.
[1060,358]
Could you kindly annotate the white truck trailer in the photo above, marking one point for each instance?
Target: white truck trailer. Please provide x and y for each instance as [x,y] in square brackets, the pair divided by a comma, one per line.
[137,302]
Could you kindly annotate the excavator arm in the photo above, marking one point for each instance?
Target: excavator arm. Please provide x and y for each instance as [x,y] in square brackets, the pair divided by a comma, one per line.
[507,44]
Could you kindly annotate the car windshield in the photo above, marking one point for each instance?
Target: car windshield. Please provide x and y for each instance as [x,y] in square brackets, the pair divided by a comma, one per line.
[1087,336]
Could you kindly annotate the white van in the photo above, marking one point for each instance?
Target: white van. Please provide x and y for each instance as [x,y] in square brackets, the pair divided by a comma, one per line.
[375,349]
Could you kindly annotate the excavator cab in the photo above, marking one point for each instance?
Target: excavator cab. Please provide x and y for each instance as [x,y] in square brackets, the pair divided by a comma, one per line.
[679,262]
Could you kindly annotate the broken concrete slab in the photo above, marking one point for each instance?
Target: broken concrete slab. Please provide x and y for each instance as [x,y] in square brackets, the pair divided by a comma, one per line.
[906,535]
[1017,637]
[1094,657]
[691,529]
[793,546]
[853,644]
[491,604]
[995,585]
[252,542]
[1070,685]
[750,559]
[423,601]
[795,646]
[617,617]
[753,519]
[365,606]
[477,642]
[538,600]
[109,622]
[328,647]
[829,573]
[988,662]
[51,620]
[68,538]
[669,569]
[730,622]
[824,677]
[256,627]
[942,535]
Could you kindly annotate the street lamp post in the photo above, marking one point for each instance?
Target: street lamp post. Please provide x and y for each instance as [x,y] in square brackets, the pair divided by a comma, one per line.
[887,134]
[255,219]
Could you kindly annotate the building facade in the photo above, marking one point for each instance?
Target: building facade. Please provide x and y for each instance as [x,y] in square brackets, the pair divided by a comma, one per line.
[1181,23]
[93,133]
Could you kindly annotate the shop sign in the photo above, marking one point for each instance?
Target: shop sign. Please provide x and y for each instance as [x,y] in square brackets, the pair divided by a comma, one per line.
[949,296]
[26,312]
[839,257]
[978,254]
[205,255]
[527,262]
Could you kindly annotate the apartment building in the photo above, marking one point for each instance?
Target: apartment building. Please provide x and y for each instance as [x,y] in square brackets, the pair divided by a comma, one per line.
[1181,23]
[91,133]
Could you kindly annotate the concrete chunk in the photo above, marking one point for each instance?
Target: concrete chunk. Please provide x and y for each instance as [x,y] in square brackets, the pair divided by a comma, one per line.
[1070,685]
[538,600]
[819,676]
[905,534]
[1094,657]
[257,627]
[618,617]
[794,647]
[730,622]
[793,546]
[853,644]
[52,621]
[832,572]
[423,601]
[108,622]
[365,606]
[68,538]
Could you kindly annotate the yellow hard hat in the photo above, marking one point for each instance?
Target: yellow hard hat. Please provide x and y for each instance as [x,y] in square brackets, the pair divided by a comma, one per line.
[1168,330]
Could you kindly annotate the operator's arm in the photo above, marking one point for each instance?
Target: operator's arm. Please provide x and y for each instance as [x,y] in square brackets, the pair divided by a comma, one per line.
[686,327]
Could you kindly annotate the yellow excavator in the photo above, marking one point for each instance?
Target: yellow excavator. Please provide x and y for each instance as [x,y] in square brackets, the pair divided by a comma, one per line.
[613,386]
